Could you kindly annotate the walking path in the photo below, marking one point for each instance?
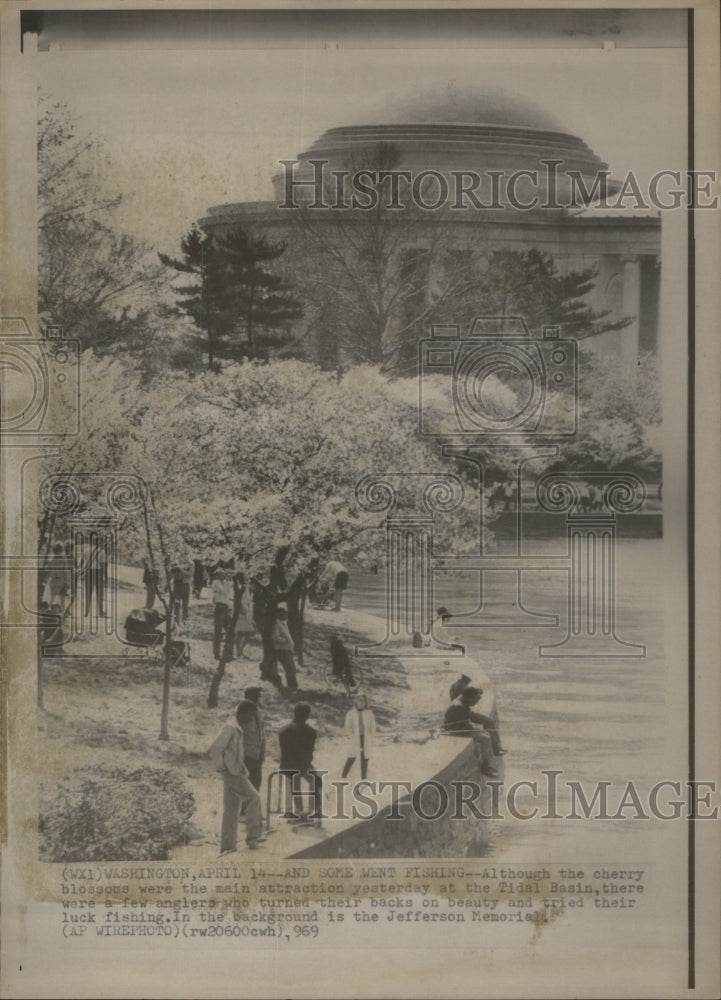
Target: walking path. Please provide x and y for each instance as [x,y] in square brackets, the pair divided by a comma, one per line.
[410,749]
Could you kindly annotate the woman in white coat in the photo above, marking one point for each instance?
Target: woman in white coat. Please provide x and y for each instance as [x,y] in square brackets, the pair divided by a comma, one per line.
[360,727]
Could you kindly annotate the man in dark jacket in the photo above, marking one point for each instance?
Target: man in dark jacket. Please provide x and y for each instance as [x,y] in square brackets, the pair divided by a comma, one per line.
[151,582]
[198,577]
[457,686]
[254,737]
[461,720]
[297,743]
[265,603]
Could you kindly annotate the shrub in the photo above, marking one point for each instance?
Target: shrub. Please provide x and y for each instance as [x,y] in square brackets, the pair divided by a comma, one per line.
[114,814]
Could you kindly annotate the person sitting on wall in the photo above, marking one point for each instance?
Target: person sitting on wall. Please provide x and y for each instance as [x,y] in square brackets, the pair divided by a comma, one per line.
[454,692]
[461,720]
[457,686]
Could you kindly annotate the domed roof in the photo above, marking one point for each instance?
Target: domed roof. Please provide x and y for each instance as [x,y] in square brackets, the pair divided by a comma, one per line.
[484,130]
[477,106]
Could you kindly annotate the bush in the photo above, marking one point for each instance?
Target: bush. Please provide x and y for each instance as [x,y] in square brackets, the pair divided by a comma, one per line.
[113,814]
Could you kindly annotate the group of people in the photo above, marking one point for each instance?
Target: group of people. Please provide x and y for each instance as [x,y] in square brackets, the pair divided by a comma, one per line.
[502,497]
[238,753]
[185,577]
[331,584]
[72,572]
[275,611]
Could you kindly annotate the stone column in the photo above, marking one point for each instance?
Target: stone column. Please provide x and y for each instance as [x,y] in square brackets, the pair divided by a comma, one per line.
[92,505]
[410,502]
[591,537]
[631,306]
[20,563]
[94,543]
[39,410]
[505,562]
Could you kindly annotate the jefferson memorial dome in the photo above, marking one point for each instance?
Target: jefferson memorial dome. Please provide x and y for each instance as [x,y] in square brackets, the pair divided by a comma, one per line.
[503,170]
[481,131]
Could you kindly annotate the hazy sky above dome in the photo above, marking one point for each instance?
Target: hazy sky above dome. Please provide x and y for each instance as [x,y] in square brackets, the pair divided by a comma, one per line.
[468,103]
[195,118]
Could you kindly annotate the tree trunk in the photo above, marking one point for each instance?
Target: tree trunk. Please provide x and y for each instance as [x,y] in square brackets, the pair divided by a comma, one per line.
[47,527]
[301,624]
[168,608]
[40,667]
[296,606]
[227,650]
[215,684]
[251,332]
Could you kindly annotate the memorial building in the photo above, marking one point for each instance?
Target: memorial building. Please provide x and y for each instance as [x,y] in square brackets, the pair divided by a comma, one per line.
[495,170]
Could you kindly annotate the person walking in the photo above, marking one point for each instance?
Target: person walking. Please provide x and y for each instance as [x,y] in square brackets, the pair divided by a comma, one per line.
[340,585]
[283,648]
[222,609]
[176,595]
[228,755]
[151,582]
[59,578]
[297,745]
[198,577]
[360,727]
[223,597]
[265,601]
[342,665]
[334,575]
[185,576]
[242,626]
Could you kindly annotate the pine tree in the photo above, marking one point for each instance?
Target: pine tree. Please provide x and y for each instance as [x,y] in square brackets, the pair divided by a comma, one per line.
[527,283]
[200,300]
[257,304]
[240,304]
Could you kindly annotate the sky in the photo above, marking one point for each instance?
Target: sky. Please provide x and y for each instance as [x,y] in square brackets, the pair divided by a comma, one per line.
[199,112]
